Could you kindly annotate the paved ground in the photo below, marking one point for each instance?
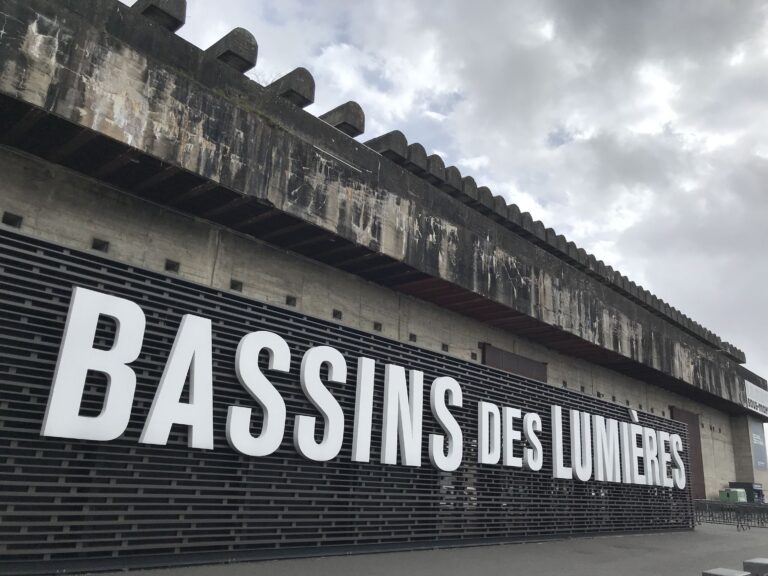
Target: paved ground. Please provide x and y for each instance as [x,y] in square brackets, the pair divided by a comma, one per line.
[677,554]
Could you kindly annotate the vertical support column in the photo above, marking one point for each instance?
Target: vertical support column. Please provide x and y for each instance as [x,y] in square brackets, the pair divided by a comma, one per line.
[696,463]
[749,449]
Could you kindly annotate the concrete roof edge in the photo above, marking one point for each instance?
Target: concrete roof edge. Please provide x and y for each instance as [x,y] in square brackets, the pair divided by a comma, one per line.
[239,53]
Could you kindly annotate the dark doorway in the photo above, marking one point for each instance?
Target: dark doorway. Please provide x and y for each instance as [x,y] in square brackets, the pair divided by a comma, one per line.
[514,363]
[694,446]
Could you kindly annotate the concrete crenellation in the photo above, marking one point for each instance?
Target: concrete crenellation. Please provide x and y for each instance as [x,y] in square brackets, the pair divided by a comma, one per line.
[592,265]
[434,233]
[468,190]
[417,159]
[452,184]
[551,237]
[392,145]
[238,49]
[348,117]
[500,210]
[435,170]
[540,237]
[561,241]
[572,249]
[170,14]
[298,87]
[485,198]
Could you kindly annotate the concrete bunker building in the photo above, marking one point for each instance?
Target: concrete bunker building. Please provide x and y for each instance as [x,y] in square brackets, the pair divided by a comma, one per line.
[135,164]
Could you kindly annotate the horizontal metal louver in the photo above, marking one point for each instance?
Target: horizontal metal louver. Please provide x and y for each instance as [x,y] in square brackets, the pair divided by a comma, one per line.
[82,504]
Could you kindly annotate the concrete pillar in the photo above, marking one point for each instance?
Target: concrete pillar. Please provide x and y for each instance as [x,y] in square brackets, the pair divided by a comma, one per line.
[748,453]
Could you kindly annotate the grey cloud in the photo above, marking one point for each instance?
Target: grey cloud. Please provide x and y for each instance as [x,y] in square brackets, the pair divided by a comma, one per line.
[706,252]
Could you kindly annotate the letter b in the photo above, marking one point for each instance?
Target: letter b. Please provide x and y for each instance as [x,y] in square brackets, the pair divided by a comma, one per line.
[78,356]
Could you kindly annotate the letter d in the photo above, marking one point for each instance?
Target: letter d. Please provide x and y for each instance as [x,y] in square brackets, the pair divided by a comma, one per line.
[78,356]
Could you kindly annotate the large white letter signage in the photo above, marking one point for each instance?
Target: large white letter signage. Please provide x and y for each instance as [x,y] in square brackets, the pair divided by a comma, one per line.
[78,356]
[333,431]
[588,447]
[190,355]
[261,390]
[442,387]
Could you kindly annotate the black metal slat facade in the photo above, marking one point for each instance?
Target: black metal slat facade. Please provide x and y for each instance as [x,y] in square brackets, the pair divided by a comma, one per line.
[83,504]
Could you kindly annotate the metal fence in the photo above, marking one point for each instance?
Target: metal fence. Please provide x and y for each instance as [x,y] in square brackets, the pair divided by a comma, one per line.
[743,515]
[84,504]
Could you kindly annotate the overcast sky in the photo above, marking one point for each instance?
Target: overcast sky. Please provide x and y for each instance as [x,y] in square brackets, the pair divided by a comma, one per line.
[637,129]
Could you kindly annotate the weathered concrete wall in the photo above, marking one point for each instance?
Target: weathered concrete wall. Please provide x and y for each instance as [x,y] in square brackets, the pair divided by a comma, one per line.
[106,74]
[742,454]
[68,209]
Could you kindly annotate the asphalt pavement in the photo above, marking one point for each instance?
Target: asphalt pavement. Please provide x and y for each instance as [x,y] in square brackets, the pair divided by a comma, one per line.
[673,554]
